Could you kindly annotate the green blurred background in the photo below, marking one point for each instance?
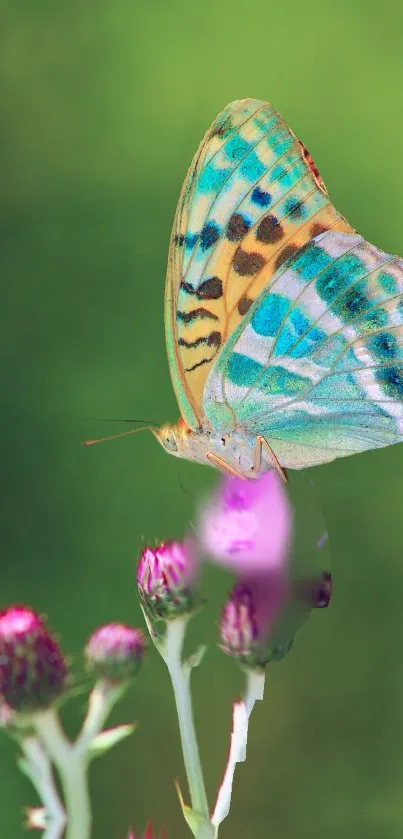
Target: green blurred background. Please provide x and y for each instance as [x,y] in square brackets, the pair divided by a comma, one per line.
[102,105]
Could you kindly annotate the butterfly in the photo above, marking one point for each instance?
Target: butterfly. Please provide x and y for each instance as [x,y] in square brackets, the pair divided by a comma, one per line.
[284,327]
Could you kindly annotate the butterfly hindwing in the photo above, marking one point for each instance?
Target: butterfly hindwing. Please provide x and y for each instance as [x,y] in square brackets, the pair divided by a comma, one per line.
[251,199]
[316,366]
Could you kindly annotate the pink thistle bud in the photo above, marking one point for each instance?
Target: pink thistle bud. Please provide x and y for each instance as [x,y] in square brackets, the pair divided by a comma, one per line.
[33,671]
[246,525]
[115,652]
[166,578]
[248,618]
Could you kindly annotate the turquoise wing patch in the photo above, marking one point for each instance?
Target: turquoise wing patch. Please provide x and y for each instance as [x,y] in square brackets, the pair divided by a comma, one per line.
[316,365]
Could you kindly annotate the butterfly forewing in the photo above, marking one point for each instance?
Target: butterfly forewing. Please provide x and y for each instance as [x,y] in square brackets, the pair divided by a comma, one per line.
[251,199]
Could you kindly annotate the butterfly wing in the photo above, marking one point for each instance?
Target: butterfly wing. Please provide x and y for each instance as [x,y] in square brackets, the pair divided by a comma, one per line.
[252,197]
[316,366]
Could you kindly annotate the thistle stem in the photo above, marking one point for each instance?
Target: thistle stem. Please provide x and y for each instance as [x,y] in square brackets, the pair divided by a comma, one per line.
[75,787]
[72,759]
[41,775]
[72,769]
[239,737]
[171,651]
[101,701]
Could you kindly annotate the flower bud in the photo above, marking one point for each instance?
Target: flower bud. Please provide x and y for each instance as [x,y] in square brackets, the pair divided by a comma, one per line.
[115,652]
[246,621]
[33,671]
[165,579]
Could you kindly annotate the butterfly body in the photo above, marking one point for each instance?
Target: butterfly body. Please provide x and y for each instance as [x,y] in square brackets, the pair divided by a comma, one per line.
[233,452]
[284,327]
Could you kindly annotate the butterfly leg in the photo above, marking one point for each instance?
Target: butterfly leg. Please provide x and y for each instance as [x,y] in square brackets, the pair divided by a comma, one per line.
[223,466]
[261,443]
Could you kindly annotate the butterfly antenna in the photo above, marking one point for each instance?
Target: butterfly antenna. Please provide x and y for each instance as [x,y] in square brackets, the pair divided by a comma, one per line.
[116,436]
[108,419]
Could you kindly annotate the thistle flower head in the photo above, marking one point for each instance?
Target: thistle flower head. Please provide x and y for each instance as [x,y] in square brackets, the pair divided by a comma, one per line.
[247,619]
[246,525]
[262,615]
[114,652]
[33,671]
[166,579]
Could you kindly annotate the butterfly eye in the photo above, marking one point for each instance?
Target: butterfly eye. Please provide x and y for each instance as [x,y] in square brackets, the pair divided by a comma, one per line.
[170,442]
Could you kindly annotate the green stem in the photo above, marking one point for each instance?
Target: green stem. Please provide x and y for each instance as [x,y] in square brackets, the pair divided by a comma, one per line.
[75,787]
[41,775]
[179,672]
[73,771]
[71,759]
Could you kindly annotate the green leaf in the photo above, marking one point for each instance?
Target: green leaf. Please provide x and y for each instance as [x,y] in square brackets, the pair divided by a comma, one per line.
[197,657]
[109,738]
[199,825]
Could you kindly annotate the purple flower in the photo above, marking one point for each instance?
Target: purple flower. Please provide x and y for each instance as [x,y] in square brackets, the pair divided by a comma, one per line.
[33,671]
[115,652]
[263,613]
[246,525]
[166,579]
[248,619]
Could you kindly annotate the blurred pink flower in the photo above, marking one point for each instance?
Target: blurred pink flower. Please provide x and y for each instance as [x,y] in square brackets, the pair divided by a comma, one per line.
[246,526]
[115,652]
[33,670]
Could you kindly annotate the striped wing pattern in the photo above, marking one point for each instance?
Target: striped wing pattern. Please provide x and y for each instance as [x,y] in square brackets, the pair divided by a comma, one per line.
[316,366]
[251,199]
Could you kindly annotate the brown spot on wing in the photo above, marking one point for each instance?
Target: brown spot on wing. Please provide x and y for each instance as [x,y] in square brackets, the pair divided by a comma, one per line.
[195,314]
[314,169]
[237,228]
[317,229]
[247,264]
[210,289]
[244,305]
[212,340]
[269,230]
[285,254]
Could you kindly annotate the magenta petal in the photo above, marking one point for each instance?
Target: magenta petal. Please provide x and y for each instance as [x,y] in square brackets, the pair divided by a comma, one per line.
[269,596]
[249,616]
[246,526]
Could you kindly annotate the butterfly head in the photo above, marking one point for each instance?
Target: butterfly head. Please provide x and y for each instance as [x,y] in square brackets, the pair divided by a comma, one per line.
[173,438]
